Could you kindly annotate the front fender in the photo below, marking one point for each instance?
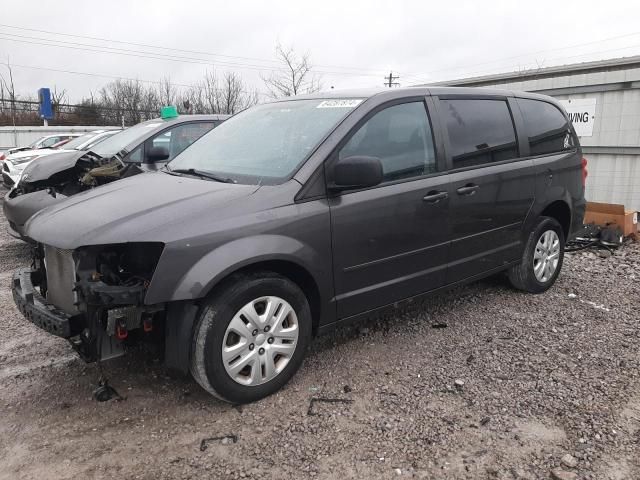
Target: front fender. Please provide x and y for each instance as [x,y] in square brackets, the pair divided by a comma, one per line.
[20,208]
[205,273]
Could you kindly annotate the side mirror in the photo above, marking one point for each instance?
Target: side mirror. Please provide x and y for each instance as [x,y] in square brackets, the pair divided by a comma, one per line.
[356,172]
[157,154]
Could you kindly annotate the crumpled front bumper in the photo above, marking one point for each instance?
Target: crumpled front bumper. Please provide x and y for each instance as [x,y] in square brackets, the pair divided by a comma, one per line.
[36,309]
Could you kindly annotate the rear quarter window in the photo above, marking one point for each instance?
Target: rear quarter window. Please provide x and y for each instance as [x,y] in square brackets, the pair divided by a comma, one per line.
[480,131]
[546,128]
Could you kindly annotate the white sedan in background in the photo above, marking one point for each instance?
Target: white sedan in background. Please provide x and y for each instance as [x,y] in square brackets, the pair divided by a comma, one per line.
[47,141]
[15,163]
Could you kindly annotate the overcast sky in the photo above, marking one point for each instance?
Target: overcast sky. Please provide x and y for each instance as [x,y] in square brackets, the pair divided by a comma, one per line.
[351,44]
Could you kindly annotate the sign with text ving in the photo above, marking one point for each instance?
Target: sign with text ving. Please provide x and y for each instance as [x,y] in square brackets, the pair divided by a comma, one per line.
[582,113]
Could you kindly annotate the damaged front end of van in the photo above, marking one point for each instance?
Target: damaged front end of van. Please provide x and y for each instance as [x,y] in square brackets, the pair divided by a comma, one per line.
[93,296]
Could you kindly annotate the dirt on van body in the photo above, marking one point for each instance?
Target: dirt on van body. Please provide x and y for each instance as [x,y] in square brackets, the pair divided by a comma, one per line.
[481,382]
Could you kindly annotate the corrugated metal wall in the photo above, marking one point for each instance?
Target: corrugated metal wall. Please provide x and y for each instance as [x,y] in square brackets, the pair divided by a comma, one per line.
[617,121]
[614,179]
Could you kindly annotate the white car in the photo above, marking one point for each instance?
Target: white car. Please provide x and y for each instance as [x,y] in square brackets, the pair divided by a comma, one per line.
[43,142]
[16,162]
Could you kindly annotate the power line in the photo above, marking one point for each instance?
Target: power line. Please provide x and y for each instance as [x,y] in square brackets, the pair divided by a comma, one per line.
[353,69]
[387,78]
[161,56]
[107,49]
[90,74]
[149,55]
[480,72]
[420,76]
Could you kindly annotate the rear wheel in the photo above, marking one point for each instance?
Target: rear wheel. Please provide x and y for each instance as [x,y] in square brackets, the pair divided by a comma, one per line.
[542,258]
[250,337]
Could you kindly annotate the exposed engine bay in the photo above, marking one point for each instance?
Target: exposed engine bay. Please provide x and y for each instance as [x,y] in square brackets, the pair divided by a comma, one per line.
[89,171]
[101,289]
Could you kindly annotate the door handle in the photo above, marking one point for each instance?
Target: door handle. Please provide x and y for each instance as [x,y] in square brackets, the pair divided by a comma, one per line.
[435,196]
[468,189]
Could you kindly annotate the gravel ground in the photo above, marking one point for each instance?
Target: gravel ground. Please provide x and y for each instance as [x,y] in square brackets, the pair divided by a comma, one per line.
[481,382]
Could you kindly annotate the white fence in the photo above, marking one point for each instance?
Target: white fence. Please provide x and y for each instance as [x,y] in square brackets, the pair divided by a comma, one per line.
[23,136]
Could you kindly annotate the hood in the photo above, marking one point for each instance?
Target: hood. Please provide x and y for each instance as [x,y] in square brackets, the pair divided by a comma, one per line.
[51,164]
[16,149]
[33,153]
[147,207]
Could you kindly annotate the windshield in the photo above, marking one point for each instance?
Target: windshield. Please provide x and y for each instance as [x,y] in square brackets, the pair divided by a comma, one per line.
[117,142]
[35,143]
[76,142]
[99,138]
[266,143]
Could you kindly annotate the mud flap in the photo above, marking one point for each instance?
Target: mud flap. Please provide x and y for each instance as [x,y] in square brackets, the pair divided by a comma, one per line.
[180,319]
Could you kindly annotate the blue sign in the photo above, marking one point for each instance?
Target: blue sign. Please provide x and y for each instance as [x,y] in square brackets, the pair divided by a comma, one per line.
[45,110]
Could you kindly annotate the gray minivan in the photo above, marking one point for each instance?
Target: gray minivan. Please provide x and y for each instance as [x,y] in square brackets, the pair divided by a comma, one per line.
[298,215]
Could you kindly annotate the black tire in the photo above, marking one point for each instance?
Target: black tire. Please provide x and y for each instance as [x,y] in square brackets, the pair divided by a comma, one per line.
[522,275]
[216,313]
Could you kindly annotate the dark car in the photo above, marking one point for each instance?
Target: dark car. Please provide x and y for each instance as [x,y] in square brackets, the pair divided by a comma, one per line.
[146,146]
[295,216]
[16,163]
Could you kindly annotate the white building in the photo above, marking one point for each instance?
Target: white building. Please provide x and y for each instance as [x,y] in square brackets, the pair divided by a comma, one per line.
[603,100]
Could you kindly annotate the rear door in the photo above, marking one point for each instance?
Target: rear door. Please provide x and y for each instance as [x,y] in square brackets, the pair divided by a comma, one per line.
[492,188]
[390,242]
[558,160]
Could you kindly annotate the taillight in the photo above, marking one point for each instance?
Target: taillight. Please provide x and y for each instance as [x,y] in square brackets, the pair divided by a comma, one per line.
[2,157]
[584,172]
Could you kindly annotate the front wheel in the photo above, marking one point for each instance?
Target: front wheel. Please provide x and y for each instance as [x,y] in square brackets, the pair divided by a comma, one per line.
[251,337]
[542,258]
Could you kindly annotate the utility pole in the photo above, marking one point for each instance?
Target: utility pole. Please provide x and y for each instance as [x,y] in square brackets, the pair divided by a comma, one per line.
[389,81]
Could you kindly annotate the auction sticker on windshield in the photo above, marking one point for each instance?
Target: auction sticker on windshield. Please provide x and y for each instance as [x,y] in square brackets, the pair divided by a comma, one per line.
[343,103]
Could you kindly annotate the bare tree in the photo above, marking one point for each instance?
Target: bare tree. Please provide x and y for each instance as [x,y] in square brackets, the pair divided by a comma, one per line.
[192,99]
[87,112]
[167,92]
[2,89]
[150,103]
[295,76]
[58,98]
[122,99]
[228,95]
[233,95]
[210,92]
[11,91]
[128,102]
[132,96]
[9,85]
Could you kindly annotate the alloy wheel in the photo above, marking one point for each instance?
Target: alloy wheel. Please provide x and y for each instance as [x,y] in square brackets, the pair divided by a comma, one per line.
[546,256]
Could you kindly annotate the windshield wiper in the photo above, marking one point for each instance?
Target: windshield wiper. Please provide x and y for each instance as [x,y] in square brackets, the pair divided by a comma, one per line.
[201,174]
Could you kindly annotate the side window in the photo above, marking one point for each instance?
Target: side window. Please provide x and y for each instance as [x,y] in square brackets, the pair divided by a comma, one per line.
[480,131]
[400,136]
[180,137]
[135,156]
[50,141]
[546,127]
[162,140]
